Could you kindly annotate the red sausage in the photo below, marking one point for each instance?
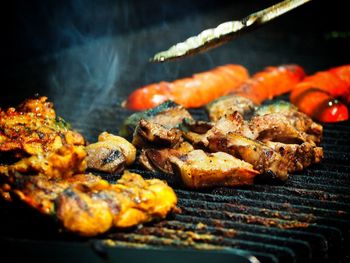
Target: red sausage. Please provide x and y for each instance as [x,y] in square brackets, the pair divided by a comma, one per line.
[190,92]
[317,94]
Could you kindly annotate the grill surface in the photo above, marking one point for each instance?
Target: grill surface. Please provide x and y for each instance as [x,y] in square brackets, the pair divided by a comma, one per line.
[305,219]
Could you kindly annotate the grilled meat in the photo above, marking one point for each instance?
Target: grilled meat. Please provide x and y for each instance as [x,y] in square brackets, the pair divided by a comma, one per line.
[298,156]
[39,142]
[168,114]
[275,141]
[148,133]
[200,169]
[299,120]
[227,105]
[158,159]
[110,154]
[276,127]
[89,205]
[228,123]
[263,158]
[48,173]
[131,201]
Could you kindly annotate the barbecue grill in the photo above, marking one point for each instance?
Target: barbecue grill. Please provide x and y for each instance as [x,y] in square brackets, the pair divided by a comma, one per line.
[90,71]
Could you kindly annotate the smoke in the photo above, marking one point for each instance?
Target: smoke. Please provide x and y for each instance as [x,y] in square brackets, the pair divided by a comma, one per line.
[84,77]
[86,63]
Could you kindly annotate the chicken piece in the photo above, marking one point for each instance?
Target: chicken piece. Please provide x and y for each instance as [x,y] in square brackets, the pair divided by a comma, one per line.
[131,201]
[199,169]
[263,158]
[148,133]
[39,141]
[40,192]
[88,205]
[298,156]
[227,105]
[110,154]
[154,159]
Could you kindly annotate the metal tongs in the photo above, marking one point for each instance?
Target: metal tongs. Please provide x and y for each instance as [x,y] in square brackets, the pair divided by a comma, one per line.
[225,32]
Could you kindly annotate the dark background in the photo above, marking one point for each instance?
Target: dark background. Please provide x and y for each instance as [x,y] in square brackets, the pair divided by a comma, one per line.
[87,56]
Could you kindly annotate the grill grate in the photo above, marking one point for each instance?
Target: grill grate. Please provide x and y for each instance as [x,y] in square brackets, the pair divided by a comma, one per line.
[306,219]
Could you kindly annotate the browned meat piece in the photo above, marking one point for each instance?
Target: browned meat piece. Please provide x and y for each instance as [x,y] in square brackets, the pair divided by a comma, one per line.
[158,159]
[40,192]
[110,154]
[148,133]
[298,156]
[229,123]
[305,124]
[297,119]
[263,158]
[88,205]
[48,174]
[276,127]
[168,114]
[41,142]
[199,169]
[131,201]
[172,117]
[232,123]
[38,142]
[229,104]
[33,129]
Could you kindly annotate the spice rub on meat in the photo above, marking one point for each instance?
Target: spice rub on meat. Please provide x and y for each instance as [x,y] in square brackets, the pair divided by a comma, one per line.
[43,164]
[274,140]
[36,141]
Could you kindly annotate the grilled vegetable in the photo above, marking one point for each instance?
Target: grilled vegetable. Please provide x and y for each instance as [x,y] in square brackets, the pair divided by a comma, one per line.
[190,92]
[271,82]
[317,95]
[110,154]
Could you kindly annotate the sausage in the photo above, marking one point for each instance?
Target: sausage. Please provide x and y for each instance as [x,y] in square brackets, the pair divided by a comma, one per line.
[271,82]
[317,95]
[191,92]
